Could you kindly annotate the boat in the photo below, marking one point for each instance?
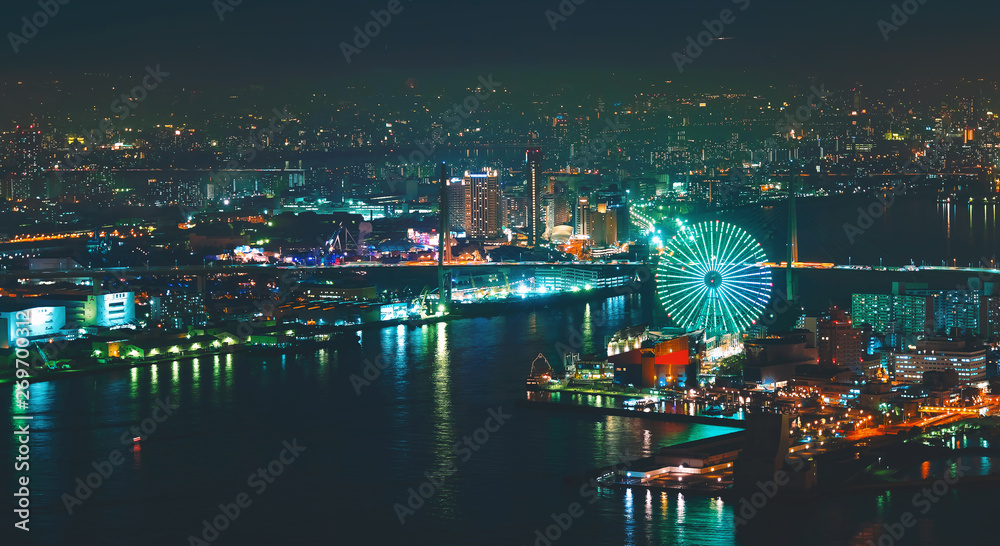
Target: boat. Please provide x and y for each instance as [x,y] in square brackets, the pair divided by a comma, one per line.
[540,374]
[641,404]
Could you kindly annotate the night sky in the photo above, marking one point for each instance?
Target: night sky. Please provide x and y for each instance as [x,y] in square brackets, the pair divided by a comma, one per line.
[267,41]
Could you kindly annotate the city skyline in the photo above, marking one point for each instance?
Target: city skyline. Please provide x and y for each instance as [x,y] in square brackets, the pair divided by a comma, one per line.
[538,273]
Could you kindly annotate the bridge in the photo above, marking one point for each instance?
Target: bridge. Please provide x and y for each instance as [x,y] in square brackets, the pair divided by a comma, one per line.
[206,269]
[280,269]
[977,410]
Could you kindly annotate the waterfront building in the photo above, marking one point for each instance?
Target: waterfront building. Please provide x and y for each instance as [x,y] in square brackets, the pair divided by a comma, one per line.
[656,363]
[178,310]
[25,318]
[88,310]
[564,279]
[627,339]
[588,369]
[340,291]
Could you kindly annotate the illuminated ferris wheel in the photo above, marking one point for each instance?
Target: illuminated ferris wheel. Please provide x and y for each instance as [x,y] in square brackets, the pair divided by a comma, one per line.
[711,276]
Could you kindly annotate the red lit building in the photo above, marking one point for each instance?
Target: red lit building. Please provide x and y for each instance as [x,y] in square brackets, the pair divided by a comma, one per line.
[653,364]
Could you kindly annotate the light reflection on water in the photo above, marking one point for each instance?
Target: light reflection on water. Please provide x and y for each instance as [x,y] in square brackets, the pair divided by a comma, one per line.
[438,383]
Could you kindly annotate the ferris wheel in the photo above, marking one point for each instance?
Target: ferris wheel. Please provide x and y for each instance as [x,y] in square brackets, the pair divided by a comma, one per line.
[711,276]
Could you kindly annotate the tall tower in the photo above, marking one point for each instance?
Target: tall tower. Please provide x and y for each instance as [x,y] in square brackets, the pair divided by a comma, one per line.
[444,244]
[533,158]
[582,216]
[793,242]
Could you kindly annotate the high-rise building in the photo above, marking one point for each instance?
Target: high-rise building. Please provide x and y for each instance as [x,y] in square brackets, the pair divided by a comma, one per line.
[604,226]
[457,203]
[556,211]
[914,310]
[899,317]
[839,343]
[514,208]
[705,190]
[614,199]
[989,317]
[533,159]
[21,158]
[582,217]
[482,204]
[25,148]
[953,309]
[178,310]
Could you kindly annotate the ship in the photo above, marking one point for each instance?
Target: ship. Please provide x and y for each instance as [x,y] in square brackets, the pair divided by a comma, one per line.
[540,374]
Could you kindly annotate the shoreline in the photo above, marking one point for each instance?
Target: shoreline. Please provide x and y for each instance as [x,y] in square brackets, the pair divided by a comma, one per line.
[655,416]
[462,312]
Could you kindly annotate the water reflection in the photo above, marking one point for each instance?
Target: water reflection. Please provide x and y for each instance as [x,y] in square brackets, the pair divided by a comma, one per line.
[195,380]
[442,391]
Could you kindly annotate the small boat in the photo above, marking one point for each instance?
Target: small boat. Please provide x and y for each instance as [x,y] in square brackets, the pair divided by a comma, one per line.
[641,404]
